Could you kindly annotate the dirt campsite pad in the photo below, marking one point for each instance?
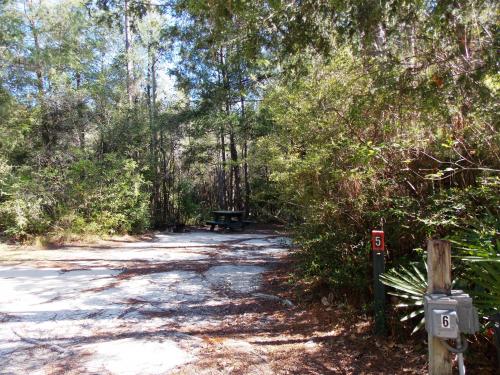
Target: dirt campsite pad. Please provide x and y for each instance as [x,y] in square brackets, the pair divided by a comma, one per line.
[190,303]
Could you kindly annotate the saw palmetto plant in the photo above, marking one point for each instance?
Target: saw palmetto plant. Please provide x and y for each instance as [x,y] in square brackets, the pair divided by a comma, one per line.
[482,272]
[410,285]
[479,275]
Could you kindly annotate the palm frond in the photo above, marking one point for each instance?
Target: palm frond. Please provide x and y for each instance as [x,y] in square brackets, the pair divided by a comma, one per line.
[410,285]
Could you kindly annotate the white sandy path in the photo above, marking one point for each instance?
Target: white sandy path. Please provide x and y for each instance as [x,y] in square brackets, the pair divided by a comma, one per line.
[93,321]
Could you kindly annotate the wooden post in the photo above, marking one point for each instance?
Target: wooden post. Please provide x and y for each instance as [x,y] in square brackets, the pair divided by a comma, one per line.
[439,281]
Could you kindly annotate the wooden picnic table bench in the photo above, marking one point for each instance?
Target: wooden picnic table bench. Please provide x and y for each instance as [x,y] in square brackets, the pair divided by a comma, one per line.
[228,220]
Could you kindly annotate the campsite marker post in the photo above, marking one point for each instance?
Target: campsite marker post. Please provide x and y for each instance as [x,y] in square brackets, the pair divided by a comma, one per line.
[378,247]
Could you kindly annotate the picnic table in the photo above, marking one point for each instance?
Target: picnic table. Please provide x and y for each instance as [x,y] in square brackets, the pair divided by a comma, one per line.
[228,220]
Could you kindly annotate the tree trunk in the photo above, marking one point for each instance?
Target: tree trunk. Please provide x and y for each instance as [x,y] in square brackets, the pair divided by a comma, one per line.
[153,146]
[245,156]
[80,120]
[164,174]
[45,129]
[219,183]
[222,179]
[223,187]
[235,169]
[235,179]
[128,61]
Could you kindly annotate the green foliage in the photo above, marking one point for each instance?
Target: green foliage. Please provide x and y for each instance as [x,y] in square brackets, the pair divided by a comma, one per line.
[410,284]
[484,281]
[87,197]
[364,134]
[27,204]
[479,249]
[186,204]
[479,275]
[475,237]
[335,117]
[323,252]
[109,195]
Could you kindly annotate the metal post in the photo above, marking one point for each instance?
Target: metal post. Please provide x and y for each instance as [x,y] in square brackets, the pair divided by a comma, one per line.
[460,357]
[495,319]
[379,292]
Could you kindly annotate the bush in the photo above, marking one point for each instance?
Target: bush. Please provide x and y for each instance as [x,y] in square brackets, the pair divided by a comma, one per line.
[94,197]
[346,155]
[25,206]
[469,218]
[110,195]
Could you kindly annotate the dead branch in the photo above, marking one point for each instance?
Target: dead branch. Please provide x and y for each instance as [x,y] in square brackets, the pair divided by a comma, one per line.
[54,347]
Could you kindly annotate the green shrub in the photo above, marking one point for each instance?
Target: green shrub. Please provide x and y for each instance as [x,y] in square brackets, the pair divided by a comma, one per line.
[345,154]
[95,197]
[469,218]
[25,205]
[110,195]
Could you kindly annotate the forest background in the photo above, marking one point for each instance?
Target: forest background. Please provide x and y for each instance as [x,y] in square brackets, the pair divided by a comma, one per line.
[330,117]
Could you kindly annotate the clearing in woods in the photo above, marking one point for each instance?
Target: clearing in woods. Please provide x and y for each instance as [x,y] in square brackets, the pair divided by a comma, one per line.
[190,303]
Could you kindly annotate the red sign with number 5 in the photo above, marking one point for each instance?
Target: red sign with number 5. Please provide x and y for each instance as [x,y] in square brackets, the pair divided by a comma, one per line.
[378,240]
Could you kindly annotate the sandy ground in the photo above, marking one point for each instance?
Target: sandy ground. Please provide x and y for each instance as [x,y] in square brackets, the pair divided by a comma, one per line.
[190,303]
[127,308]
